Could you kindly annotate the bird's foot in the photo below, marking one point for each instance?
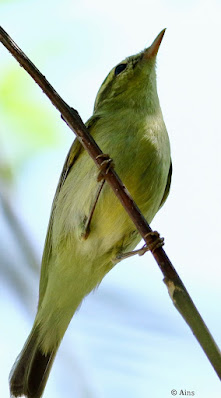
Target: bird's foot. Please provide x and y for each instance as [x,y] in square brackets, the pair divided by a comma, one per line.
[158,242]
[105,166]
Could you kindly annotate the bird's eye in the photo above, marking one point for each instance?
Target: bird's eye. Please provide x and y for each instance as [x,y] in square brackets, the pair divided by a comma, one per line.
[119,68]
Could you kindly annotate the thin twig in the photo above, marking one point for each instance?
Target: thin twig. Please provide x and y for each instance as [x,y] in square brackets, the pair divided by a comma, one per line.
[177,290]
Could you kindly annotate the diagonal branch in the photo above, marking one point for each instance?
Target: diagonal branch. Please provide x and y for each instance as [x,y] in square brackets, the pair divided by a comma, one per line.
[176,288]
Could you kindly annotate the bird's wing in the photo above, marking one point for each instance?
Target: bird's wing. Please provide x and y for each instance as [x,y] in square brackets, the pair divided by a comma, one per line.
[74,152]
[167,189]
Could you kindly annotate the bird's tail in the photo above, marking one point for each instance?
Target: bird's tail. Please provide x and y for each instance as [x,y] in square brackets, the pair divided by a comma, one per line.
[30,372]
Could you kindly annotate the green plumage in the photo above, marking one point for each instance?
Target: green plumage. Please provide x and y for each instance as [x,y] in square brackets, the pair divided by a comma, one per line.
[128,125]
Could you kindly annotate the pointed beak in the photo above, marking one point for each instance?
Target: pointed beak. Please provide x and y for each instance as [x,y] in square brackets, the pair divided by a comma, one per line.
[152,51]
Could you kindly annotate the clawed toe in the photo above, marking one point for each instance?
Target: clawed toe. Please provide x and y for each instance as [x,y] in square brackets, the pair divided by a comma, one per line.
[105,166]
[158,242]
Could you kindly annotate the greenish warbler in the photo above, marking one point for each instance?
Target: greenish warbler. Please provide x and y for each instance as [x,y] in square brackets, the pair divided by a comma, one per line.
[127,123]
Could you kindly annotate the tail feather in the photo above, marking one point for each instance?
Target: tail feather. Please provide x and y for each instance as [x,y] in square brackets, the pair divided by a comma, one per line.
[31,370]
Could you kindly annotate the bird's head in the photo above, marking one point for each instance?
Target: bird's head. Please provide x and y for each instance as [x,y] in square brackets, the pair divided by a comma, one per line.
[132,81]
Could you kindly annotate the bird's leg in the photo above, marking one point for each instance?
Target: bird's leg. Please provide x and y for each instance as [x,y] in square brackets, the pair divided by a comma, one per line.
[158,242]
[104,167]
[86,232]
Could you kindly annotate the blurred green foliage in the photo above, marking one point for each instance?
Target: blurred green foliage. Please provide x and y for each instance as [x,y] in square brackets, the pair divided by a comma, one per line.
[28,121]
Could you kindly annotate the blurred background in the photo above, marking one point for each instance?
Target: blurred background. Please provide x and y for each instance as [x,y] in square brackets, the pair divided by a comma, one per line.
[127,340]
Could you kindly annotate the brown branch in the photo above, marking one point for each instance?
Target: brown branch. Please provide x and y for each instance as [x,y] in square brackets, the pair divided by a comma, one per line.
[176,288]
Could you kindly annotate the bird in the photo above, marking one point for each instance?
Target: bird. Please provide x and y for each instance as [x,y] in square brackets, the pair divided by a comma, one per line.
[89,231]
